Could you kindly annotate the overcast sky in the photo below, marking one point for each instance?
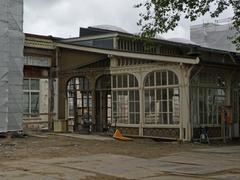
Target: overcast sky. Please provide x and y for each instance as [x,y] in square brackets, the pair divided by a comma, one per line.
[62,18]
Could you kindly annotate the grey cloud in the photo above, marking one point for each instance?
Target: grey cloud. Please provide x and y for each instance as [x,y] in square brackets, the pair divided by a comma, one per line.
[63,18]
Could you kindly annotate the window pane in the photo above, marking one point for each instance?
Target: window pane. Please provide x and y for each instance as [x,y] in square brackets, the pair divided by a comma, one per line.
[160,105]
[164,94]
[26,103]
[131,81]
[132,118]
[171,118]
[34,84]
[132,109]
[175,79]
[34,103]
[147,83]
[114,107]
[137,107]
[147,109]
[152,106]
[120,83]
[170,93]
[159,94]
[131,96]
[136,95]
[152,94]
[170,78]
[151,76]
[164,104]
[149,118]
[165,120]
[86,84]
[90,99]
[81,83]
[85,102]
[125,81]
[176,91]
[164,78]
[158,79]
[170,106]
[26,84]
[114,82]
[137,117]
[125,93]
[159,118]
[70,107]
[114,96]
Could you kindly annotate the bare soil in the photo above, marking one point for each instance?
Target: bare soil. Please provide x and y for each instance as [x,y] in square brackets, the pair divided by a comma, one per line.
[51,146]
[47,146]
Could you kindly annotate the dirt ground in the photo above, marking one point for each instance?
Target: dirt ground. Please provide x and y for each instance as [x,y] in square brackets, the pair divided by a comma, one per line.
[52,145]
[46,146]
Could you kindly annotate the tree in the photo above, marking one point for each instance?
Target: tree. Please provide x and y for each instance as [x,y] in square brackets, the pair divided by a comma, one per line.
[160,16]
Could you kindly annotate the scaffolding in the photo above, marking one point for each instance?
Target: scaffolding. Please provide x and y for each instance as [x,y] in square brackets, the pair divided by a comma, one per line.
[217,35]
[11,68]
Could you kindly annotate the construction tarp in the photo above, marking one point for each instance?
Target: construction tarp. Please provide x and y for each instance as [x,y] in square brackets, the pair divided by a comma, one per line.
[216,36]
[11,65]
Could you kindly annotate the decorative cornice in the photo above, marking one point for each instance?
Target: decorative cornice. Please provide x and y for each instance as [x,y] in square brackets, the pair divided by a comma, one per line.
[34,42]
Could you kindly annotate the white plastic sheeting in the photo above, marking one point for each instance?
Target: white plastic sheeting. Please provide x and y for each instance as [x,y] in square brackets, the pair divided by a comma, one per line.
[11,65]
[216,36]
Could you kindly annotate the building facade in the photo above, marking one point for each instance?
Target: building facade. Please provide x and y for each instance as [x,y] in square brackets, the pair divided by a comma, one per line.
[148,88]
[154,88]
[38,95]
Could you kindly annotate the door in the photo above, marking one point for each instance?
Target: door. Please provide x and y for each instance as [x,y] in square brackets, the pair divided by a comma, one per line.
[79,101]
[103,110]
[235,112]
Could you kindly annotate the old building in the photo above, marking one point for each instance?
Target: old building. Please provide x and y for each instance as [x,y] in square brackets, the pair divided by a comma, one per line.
[148,88]
[38,94]
[152,88]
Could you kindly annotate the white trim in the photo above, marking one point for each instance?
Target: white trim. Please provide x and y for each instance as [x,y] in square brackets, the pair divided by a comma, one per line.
[30,91]
[130,54]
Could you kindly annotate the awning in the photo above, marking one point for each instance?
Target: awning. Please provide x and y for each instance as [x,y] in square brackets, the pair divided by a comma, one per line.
[129,54]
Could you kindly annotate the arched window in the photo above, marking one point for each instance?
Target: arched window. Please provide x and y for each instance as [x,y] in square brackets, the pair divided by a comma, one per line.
[104,82]
[207,94]
[79,99]
[125,99]
[208,79]
[162,100]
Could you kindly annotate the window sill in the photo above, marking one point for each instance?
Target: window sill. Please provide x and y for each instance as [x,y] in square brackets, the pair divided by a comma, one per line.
[32,118]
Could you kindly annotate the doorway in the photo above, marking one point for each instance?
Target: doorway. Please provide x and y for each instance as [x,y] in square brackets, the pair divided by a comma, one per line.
[79,102]
[236,112]
[103,103]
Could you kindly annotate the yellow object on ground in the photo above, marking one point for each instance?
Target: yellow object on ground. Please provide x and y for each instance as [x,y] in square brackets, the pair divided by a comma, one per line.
[118,135]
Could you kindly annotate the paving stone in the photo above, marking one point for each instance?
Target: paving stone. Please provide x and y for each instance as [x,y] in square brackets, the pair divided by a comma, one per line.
[224,150]
[190,165]
[228,176]
[173,178]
